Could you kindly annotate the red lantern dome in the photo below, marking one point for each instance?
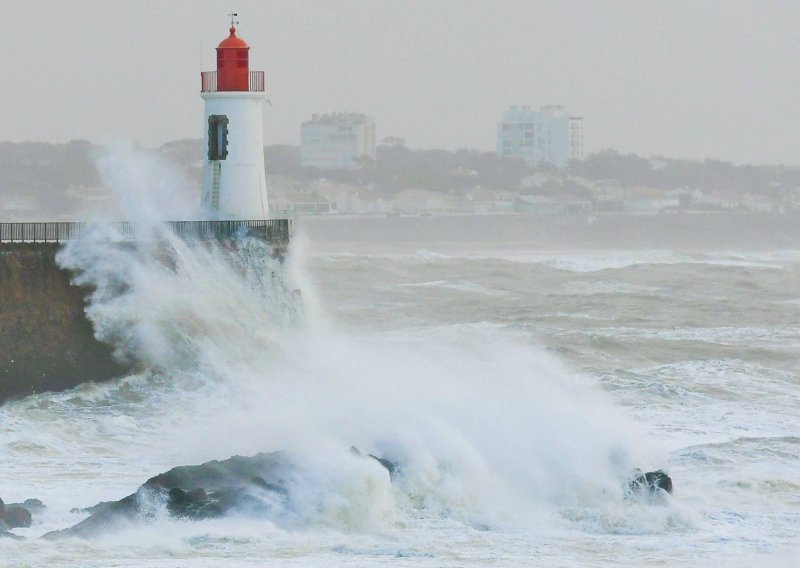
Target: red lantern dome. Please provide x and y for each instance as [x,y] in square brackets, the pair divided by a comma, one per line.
[233,66]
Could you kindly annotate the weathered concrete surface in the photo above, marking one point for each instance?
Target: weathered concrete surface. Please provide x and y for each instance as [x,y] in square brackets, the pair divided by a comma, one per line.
[46,342]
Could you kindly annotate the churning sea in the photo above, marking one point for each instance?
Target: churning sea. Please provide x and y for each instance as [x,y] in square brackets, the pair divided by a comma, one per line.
[518,368]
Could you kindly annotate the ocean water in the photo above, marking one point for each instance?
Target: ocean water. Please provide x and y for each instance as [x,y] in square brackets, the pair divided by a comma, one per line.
[517,378]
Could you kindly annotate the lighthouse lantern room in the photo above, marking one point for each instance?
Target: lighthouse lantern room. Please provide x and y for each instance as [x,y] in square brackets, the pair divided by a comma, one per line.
[234,182]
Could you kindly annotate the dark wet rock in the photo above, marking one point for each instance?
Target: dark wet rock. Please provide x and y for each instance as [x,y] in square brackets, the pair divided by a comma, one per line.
[245,485]
[649,483]
[390,466]
[92,509]
[34,506]
[17,515]
[6,534]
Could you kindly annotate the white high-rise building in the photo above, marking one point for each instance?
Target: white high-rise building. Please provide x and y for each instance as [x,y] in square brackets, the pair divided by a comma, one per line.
[337,141]
[550,135]
[234,181]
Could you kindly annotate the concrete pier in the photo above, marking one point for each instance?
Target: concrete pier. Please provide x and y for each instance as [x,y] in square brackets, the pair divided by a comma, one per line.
[46,342]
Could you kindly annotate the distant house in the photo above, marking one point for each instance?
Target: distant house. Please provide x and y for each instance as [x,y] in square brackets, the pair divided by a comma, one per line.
[537,180]
[422,201]
[716,200]
[650,205]
[483,200]
[759,203]
[367,202]
[351,199]
[309,203]
[551,205]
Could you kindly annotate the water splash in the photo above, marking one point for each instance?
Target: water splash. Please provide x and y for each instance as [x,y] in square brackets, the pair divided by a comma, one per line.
[486,430]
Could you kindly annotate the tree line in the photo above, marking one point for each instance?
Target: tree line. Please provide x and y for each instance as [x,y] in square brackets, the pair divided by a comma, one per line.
[43,172]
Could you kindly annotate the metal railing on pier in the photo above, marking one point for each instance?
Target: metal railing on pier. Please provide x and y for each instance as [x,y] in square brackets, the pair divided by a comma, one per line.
[276,231]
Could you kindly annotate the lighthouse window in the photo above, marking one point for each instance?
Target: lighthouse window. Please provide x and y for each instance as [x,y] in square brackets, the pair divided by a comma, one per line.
[220,60]
[217,137]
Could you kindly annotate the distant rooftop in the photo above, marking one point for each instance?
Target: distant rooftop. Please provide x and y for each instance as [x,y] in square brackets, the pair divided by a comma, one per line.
[339,118]
[557,110]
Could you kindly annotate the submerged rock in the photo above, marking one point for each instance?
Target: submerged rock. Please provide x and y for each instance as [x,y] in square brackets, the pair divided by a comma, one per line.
[244,485]
[213,489]
[92,509]
[18,515]
[33,505]
[6,534]
[649,483]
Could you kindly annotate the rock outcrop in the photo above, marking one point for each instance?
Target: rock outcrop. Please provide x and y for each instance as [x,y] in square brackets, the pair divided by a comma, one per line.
[256,485]
[18,515]
[246,485]
[649,483]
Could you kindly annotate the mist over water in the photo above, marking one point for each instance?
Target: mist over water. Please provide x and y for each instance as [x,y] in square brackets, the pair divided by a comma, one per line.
[517,390]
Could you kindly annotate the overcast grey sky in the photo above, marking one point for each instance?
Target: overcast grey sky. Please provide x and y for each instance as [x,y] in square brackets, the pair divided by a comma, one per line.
[678,78]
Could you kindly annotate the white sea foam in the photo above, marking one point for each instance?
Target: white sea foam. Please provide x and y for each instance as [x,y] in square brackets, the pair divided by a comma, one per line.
[458,286]
[583,261]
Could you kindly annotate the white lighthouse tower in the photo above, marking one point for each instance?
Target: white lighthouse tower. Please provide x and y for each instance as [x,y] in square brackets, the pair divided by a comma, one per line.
[234,183]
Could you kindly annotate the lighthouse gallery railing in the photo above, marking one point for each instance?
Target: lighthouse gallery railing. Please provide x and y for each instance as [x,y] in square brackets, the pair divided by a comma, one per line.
[208,82]
[277,231]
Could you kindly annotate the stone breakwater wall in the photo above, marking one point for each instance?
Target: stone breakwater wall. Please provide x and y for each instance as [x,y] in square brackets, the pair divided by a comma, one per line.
[46,342]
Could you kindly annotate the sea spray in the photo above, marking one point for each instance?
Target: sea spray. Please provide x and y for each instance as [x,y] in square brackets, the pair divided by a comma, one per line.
[146,187]
[485,430]
[482,429]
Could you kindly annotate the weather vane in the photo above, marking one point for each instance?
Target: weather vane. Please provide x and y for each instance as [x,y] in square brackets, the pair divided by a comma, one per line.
[233,15]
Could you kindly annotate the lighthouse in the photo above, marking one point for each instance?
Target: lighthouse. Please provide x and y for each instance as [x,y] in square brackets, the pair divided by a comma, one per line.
[234,182]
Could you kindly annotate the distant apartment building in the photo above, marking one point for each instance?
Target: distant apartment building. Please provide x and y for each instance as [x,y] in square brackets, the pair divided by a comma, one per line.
[337,141]
[549,135]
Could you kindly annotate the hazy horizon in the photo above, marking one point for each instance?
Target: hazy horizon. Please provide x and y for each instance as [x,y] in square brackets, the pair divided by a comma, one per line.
[685,80]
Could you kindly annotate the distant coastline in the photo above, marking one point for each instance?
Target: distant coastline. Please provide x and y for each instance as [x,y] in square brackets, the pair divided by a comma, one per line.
[52,182]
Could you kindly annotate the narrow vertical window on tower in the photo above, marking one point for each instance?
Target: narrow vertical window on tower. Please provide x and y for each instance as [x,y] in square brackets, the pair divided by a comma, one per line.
[241,59]
[217,137]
